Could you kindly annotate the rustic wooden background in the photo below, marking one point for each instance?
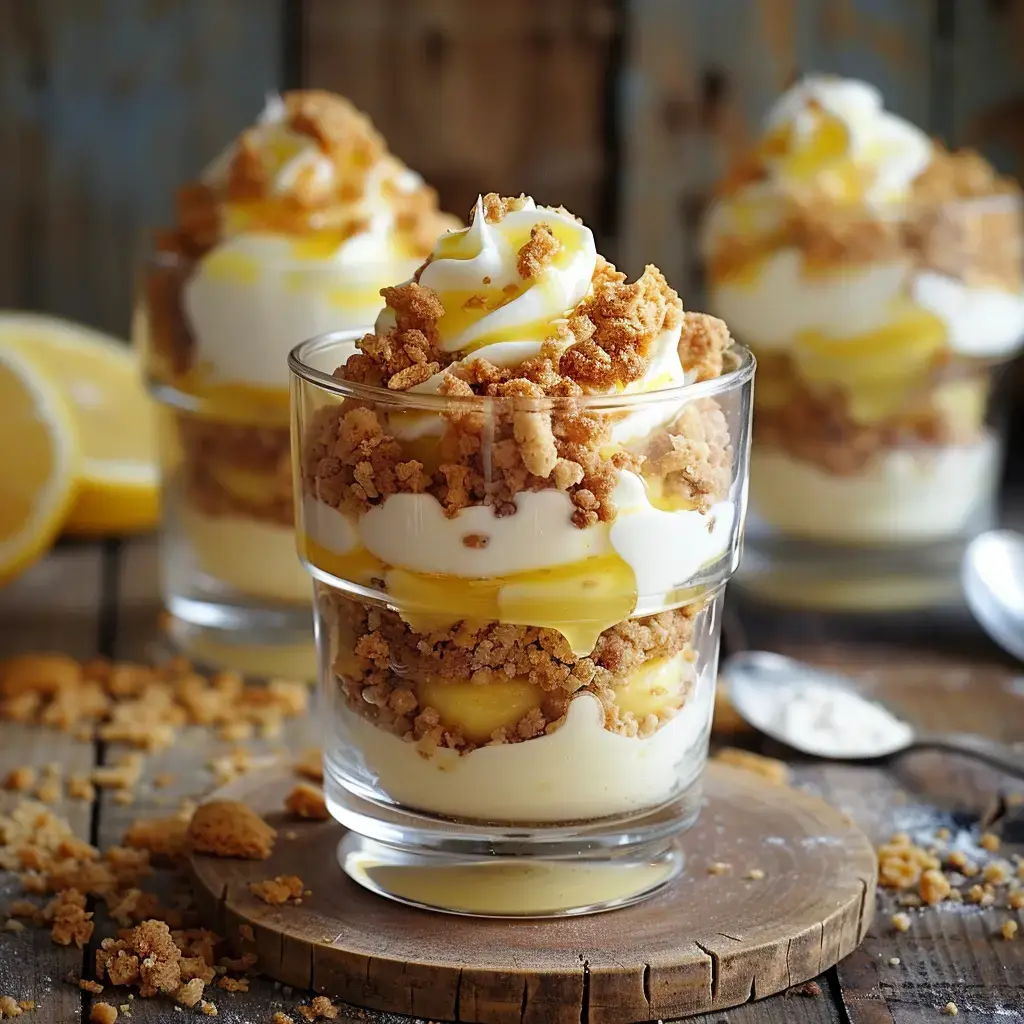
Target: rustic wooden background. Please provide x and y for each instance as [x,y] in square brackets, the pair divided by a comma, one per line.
[624,110]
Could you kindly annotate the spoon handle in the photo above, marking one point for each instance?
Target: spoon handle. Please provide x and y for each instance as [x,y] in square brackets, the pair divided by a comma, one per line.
[999,755]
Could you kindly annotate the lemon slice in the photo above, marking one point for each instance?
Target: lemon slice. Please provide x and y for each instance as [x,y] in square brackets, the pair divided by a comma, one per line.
[39,459]
[118,486]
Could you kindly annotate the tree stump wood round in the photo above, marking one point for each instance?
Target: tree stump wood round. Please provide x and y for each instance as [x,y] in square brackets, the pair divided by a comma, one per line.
[706,942]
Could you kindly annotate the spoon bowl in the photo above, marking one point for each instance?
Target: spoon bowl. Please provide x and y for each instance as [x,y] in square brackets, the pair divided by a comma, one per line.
[822,713]
[992,576]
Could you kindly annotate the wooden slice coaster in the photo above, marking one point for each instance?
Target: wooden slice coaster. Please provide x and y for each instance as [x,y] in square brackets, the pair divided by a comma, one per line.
[706,942]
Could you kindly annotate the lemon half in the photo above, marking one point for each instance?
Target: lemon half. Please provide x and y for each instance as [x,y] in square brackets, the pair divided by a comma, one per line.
[100,378]
[39,461]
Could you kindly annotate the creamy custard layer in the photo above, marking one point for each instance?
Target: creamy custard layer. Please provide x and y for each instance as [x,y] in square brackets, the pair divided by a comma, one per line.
[578,771]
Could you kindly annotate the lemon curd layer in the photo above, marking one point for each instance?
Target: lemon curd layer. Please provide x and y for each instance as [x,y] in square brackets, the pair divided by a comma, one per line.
[579,600]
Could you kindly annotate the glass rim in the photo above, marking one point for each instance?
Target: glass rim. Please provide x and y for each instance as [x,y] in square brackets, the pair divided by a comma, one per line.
[301,369]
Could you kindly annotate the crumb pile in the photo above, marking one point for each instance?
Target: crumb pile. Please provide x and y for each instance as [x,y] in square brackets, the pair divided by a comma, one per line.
[940,868]
[160,948]
[140,705]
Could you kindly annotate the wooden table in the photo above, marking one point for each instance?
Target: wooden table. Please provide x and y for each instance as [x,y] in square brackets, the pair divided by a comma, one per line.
[89,599]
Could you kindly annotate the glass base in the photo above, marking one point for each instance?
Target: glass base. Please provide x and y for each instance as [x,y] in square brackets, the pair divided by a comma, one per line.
[510,887]
[277,645]
[803,575]
[509,870]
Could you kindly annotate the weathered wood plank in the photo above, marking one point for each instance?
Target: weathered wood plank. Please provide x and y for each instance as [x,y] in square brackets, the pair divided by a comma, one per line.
[57,605]
[106,107]
[952,952]
[986,54]
[505,96]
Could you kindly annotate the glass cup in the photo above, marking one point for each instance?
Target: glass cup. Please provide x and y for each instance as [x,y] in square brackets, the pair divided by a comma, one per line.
[216,361]
[882,337]
[517,677]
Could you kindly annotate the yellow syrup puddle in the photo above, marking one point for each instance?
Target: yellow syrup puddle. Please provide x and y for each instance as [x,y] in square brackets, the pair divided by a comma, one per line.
[509,888]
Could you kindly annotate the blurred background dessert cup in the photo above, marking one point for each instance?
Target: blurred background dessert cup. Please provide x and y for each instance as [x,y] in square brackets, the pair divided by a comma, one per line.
[291,231]
[878,278]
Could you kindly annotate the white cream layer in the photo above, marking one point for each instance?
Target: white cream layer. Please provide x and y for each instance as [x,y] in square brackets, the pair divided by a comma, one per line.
[254,558]
[254,297]
[902,495]
[579,771]
[782,301]
[665,549]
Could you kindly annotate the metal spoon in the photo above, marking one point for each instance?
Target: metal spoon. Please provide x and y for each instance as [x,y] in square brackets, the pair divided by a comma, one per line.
[764,686]
[992,575]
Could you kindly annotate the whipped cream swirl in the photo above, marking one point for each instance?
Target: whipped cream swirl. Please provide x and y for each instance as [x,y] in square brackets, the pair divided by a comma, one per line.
[486,300]
[836,132]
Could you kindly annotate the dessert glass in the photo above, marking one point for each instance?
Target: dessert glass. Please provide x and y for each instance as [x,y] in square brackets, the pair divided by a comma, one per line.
[293,230]
[882,322]
[499,741]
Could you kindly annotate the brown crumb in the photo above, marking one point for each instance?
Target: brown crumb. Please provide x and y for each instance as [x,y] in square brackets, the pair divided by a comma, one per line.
[49,790]
[538,252]
[80,787]
[934,887]
[901,922]
[279,890]
[163,780]
[281,1018]
[88,985]
[311,764]
[246,933]
[321,1008]
[233,984]
[719,867]
[71,922]
[1009,930]
[234,731]
[163,838]
[190,992]
[767,767]
[989,841]
[103,1013]
[808,989]
[209,1009]
[21,779]
[22,908]
[9,1007]
[996,873]
[227,828]
[1016,900]
[307,801]
[13,925]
